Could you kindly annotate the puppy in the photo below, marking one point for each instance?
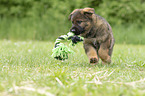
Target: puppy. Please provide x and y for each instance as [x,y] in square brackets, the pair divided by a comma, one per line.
[98,37]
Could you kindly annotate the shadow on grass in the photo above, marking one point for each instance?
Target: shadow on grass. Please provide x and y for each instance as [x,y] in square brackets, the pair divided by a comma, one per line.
[84,64]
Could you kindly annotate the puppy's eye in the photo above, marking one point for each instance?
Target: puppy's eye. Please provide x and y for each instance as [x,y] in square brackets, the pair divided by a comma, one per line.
[79,22]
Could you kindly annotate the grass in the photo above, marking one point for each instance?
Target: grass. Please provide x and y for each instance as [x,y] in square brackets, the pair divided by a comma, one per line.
[32,28]
[129,34]
[27,69]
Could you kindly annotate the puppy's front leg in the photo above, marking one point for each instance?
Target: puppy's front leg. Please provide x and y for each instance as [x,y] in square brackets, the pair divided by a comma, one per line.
[91,53]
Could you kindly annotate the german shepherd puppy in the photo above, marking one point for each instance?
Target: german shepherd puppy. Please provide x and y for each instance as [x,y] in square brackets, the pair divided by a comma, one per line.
[98,37]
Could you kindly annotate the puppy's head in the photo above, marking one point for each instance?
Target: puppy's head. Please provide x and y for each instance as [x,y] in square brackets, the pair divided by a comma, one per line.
[81,20]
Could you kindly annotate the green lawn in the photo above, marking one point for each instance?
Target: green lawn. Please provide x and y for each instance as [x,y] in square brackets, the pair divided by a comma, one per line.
[27,69]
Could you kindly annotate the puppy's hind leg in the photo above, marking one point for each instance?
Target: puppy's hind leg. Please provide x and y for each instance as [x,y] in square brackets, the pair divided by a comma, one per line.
[105,53]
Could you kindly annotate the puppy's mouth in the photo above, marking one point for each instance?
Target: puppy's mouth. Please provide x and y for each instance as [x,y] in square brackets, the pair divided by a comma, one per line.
[77,30]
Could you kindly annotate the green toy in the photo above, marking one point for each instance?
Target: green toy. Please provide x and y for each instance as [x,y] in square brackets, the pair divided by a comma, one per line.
[61,51]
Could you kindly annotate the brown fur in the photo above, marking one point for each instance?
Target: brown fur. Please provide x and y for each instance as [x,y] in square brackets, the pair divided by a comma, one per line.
[99,40]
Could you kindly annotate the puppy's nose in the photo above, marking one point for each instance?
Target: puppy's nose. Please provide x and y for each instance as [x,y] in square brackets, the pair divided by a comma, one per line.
[72,30]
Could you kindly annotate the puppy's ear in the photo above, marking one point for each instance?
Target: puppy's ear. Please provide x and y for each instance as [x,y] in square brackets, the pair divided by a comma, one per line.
[69,18]
[88,12]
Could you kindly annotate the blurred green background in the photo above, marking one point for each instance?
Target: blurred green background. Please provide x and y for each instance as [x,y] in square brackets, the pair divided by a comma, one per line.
[47,19]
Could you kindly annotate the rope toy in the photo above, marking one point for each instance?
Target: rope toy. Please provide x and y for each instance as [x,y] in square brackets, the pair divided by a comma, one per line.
[60,50]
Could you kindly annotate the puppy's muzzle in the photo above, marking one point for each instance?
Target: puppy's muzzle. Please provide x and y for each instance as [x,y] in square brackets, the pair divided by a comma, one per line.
[77,30]
[73,30]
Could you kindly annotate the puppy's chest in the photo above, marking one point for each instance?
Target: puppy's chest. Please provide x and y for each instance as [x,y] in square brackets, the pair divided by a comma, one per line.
[91,40]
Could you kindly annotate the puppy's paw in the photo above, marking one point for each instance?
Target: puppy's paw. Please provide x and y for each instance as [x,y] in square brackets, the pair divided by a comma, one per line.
[93,60]
[108,61]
